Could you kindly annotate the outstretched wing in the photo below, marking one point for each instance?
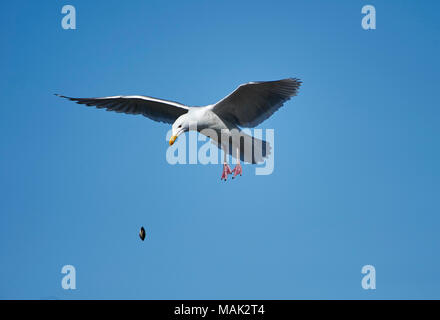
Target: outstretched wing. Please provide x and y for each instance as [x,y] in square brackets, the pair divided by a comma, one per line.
[252,103]
[155,109]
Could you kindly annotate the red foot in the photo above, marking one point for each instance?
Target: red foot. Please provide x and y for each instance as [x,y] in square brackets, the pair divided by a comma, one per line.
[237,170]
[226,171]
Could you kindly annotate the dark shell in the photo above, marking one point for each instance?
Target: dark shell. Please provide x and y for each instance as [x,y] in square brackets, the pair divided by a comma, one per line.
[142,234]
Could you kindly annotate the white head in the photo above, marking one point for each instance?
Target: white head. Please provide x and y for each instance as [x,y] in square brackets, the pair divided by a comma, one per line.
[180,126]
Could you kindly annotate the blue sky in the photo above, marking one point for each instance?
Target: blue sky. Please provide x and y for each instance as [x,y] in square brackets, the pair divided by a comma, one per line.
[356,177]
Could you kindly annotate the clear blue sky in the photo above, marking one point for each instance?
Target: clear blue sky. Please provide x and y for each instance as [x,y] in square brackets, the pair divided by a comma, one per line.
[356,177]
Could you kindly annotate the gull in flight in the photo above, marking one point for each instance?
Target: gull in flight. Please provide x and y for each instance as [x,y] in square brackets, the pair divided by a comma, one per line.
[248,106]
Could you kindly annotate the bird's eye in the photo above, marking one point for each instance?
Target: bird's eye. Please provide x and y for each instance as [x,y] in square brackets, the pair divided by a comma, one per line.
[180,126]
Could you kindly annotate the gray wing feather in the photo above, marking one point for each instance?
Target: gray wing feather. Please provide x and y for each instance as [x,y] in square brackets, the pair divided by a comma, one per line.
[252,103]
[153,108]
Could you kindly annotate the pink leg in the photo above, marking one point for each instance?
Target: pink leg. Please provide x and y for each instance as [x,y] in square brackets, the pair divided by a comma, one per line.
[226,171]
[237,170]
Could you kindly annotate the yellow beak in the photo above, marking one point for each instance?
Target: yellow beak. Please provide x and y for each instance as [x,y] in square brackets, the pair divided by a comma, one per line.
[173,138]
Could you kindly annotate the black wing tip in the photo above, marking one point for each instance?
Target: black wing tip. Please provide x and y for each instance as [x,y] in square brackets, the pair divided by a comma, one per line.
[295,84]
[292,85]
[61,96]
[296,81]
[291,81]
[77,100]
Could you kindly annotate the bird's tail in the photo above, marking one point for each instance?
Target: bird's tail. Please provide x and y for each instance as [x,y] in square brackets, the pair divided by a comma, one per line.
[252,150]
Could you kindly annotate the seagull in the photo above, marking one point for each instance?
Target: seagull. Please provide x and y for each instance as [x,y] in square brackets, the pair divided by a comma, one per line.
[246,107]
